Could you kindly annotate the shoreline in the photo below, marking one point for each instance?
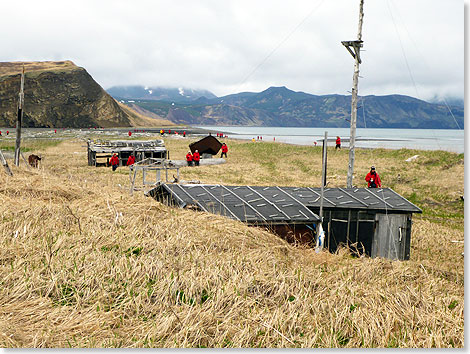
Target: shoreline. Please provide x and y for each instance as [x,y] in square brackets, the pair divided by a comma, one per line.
[366,138]
[292,139]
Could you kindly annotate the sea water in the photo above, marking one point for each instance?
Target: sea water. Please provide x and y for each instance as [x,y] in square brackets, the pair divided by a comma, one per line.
[421,139]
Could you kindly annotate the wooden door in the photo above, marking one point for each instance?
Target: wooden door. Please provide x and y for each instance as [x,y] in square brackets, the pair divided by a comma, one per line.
[391,236]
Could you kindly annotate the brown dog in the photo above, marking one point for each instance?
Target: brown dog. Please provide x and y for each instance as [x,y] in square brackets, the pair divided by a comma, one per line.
[33,160]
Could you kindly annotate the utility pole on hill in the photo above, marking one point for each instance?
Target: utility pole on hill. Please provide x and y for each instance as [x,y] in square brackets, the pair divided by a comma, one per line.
[18,120]
[354,47]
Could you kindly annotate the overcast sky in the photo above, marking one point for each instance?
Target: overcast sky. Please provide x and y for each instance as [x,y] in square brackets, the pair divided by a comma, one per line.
[411,47]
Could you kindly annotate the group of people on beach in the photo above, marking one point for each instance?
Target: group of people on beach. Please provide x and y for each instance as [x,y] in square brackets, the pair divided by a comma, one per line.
[162,132]
[193,158]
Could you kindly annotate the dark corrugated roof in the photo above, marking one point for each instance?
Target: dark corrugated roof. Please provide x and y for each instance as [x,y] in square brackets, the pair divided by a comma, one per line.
[242,203]
[353,198]
[271,204]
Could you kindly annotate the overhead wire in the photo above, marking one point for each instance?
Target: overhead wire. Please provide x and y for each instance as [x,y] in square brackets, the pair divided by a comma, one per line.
[281,42]
[403,49]
[423,59]
[407,64]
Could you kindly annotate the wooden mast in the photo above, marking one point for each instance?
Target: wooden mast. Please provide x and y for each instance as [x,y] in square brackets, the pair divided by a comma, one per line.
[319,230]
[19,119]
[354,47]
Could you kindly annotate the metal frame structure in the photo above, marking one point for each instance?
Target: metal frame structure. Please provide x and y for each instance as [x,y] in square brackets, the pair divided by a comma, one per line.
[148,165]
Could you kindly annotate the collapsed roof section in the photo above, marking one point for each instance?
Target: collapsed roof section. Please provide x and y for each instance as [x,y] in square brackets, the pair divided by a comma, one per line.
[110,146]
[100,151]
[207,145]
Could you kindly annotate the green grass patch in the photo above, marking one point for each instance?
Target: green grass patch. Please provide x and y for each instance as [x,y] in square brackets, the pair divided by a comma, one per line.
[29,144]
[133,251]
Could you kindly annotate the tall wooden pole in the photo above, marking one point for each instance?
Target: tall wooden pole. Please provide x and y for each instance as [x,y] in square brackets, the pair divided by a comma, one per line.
[19,119]
[320,232]
[354,47]
[323,174]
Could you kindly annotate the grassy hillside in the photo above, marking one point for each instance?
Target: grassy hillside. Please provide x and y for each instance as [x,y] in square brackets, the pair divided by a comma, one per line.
[84,264]
[14,68]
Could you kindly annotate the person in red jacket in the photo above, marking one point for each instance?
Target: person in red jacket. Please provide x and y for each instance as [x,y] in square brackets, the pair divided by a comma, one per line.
[189,158]
[338,143]
[131,160]
[196,157]
[114,162]
[373,179]
[224,150]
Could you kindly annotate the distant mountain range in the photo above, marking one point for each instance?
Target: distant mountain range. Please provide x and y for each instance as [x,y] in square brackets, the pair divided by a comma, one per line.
[180,94]
[279,106]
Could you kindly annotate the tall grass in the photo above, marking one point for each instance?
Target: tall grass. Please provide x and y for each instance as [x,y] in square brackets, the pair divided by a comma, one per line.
[84,264]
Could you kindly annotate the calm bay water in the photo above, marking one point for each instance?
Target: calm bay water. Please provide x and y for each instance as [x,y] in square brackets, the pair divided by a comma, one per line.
[422,139]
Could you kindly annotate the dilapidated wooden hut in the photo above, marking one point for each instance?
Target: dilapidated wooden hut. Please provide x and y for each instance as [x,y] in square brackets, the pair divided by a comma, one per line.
[372,221]
[99,151]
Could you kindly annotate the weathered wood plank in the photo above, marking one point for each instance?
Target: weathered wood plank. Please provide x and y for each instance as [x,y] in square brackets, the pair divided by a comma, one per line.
[5,164]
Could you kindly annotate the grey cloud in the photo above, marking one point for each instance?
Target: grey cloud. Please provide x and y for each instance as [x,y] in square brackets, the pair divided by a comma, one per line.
[216,45]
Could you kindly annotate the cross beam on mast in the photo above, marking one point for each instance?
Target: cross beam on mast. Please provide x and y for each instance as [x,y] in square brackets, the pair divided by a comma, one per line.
[356,45]
[354,48]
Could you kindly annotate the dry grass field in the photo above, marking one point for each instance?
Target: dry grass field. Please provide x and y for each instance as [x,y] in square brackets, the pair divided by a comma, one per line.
[84,264]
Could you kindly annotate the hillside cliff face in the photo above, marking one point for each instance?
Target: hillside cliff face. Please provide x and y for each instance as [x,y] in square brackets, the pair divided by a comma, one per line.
[57,94]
